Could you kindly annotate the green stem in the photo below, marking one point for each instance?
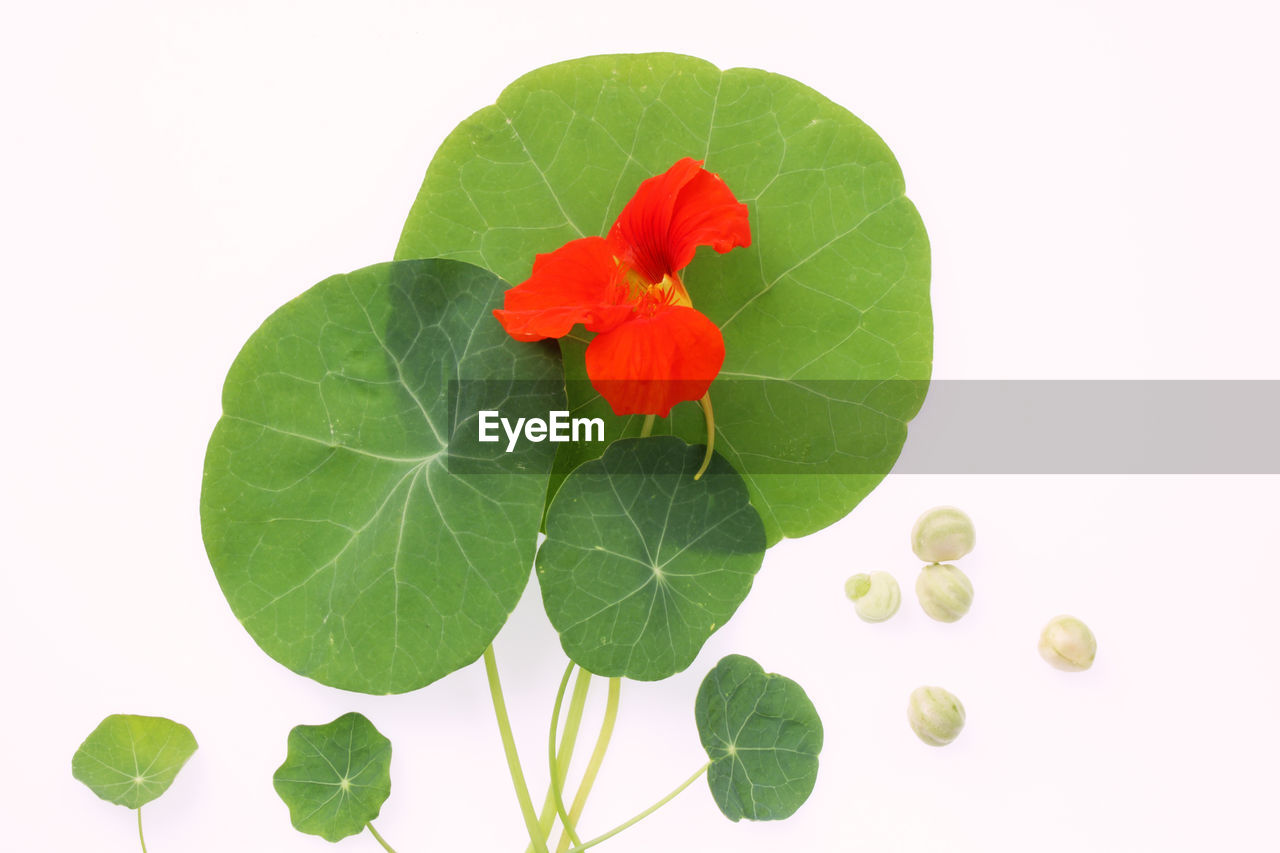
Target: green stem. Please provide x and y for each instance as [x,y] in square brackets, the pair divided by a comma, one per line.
[379,838]
[647,426]
[536,836]
[559,763]
[547,817]
[565,755]
[597,758]
[644,814]
[141,840]
[709,415]
[571,725]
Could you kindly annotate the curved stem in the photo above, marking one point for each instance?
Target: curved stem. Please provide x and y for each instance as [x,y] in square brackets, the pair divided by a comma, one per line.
[597,758]
[710,417]
[647,426]
[644,814]
[536,836]
[564,755]
[379,838]
[560,764]
[141,840]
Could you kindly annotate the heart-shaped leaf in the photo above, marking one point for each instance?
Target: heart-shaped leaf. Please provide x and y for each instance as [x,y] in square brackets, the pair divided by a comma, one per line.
[763,737]
[829,303]
[642,562]
[341,535]
[130,760]
[335,777]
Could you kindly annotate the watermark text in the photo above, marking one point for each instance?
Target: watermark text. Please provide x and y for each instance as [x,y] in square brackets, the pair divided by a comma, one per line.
[556,427]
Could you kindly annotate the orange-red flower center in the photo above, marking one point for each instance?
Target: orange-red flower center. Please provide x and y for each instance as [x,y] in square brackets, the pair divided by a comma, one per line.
[648,297]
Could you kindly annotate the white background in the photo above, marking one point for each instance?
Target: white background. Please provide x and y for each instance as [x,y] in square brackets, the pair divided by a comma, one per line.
[1099,181]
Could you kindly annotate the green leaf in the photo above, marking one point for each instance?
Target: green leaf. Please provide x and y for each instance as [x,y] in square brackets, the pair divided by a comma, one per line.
[341,535]
[830,300]
[763,737]
[642,562]
[336,776]
[130,760]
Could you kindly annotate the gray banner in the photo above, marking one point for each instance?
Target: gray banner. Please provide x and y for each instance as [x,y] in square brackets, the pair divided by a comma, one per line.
[1096,427]
[963,427]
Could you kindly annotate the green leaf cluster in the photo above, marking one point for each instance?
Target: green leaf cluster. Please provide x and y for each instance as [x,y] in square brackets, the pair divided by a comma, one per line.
[363,537]
[363,548]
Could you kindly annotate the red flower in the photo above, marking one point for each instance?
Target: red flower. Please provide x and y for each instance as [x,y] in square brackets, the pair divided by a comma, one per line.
[651,349]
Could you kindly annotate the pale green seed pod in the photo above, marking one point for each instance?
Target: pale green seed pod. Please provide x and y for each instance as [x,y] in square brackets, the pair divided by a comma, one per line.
[876,596]
[1067,644]
[942,534]
[944,591]
[935,715]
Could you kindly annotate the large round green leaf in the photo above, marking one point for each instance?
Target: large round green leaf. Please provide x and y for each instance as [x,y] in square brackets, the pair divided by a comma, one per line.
[130,760]
[642,562]
[763,737]
[829,302]
[342,536]
[335,777]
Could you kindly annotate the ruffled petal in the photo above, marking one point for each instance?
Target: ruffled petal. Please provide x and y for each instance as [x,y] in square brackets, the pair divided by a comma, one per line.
[578,283]
[706,213]
[674,213]
[649,363]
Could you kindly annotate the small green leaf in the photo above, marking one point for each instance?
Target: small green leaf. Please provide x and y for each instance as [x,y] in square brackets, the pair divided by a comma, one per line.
[823,315]
[130,760]
[642,562]
[340,533]
[336,776]
[763,736]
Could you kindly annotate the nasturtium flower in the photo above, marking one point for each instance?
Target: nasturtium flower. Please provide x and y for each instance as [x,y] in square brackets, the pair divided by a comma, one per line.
[651,348]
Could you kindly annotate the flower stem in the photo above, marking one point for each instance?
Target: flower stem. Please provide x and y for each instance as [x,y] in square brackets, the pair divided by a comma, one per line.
[559,764]
[644,814]
[141,840]
[647,426]
[710,418]
[597,758]
[564,755]
[536,836]
[379,838]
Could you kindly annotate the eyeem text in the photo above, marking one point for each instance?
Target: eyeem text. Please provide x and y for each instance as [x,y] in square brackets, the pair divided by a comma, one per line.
[557,426]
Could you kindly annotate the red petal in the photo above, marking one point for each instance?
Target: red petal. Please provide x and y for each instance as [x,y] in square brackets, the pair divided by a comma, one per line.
[648,364]
[578,283]
[674,213]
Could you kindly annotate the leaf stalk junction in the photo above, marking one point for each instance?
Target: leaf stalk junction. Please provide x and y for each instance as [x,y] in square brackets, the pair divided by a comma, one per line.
[559,757]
